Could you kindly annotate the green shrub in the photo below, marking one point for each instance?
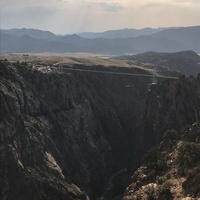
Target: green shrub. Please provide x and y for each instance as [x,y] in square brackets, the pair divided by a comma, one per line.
[151,157]
[189,154]
[170,135]
[161,179]
[165,191]
[191,133]
[154,160]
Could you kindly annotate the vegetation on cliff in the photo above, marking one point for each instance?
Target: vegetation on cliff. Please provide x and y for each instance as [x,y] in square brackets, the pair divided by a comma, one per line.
[170,170]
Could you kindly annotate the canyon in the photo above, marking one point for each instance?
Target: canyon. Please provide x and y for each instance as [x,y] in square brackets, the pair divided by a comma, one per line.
[69,134]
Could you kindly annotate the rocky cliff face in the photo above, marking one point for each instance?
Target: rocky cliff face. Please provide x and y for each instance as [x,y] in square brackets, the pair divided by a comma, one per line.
[31,159]
[169,105]
[64,130]
[59,128]
[170,170]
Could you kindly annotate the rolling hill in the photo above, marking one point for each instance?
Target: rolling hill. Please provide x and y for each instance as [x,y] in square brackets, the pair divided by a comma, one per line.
[187,62]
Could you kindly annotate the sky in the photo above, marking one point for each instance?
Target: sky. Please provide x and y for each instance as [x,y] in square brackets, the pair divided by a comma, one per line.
[75,16]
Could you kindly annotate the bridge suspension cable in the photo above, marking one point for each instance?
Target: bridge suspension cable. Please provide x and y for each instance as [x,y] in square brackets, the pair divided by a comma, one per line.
[120,73]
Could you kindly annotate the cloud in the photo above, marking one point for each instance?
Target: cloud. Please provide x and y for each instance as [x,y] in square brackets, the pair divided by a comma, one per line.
[111,7]
[33,12]
[171,4]
[65,1]
[188,1]
[70,16]
[158,4]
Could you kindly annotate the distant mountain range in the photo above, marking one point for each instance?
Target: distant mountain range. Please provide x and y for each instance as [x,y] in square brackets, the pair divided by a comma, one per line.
[114,42]
[123,33]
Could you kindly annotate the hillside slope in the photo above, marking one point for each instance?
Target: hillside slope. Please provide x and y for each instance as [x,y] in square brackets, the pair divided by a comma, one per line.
[171,170]
[186,62]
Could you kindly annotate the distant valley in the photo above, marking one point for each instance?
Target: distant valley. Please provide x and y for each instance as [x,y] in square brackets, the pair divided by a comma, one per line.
[114,42]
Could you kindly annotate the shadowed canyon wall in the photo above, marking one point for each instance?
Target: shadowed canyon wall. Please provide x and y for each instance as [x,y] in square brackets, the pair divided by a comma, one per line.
[61,130]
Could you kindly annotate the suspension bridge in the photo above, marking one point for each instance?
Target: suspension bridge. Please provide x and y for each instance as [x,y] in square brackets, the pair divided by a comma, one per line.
[121,73]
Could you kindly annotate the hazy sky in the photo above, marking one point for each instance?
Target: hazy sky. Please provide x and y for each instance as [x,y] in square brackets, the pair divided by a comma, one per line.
[72,16]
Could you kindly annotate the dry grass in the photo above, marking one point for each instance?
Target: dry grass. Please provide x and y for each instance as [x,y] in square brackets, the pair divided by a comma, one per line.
[85,59]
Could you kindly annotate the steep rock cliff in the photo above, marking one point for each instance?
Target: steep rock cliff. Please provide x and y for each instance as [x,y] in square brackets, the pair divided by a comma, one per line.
[169,105]
[171,170]
[59,127]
